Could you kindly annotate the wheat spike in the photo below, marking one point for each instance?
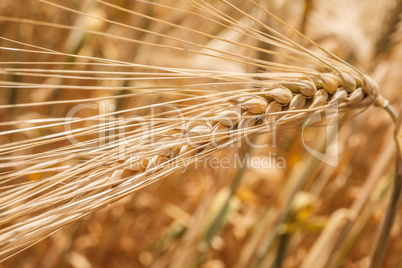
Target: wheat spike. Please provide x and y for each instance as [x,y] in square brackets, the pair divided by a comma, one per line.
[85,162]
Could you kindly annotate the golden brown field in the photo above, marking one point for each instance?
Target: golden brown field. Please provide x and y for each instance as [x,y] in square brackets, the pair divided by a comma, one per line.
[199,133]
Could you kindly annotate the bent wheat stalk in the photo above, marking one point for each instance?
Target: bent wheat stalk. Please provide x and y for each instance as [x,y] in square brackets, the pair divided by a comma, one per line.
[94,130]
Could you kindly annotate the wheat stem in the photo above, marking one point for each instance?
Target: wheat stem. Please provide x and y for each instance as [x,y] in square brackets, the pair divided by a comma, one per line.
[384,231]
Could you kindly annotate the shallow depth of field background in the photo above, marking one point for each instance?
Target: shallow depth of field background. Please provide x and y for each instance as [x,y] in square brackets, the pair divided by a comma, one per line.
[166,224]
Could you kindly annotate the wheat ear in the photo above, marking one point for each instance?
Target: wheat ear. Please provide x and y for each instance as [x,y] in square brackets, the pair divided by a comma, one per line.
[217,109]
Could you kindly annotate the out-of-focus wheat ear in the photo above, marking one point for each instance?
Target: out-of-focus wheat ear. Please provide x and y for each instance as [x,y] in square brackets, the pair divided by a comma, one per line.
[385,40]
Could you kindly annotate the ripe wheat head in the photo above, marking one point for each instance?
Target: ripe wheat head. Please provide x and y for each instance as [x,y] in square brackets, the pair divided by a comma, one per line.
[100,100]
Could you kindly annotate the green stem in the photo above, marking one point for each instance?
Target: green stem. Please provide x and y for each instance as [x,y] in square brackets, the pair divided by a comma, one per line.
[280,257]
[391,112]
[383,234]
[216,225]
[218,220]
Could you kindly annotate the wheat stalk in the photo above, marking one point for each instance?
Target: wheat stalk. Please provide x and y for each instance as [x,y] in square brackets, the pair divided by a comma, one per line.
[215,109]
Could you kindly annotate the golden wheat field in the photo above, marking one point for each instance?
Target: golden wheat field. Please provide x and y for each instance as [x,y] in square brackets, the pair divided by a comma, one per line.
[200,133]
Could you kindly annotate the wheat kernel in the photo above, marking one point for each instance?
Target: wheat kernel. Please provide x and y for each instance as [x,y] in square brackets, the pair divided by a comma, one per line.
[280,94]
[246,122]
[298,102]
[199,130]
[255,106]
[218,135]
[356,96]
[227,117]
[340,95]
[348,82]
[187,151]
[307,88]
[320,98]
[369,86]
[329,82]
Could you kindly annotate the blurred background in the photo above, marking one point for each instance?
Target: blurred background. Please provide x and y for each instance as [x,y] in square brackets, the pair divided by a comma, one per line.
[301,214]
